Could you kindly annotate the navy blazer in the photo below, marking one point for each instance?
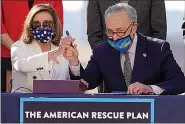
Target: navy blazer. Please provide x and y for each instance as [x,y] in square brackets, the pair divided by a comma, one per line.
[158,67]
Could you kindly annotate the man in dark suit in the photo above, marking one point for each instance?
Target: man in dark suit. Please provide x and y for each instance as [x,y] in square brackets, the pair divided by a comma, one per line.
[129,61]
[151,18]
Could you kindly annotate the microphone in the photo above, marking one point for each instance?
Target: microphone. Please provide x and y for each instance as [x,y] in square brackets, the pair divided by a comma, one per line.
[38,69]
[34,77]
[22,88]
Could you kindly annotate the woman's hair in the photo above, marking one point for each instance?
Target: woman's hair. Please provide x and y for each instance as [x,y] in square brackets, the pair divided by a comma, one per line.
[27,36]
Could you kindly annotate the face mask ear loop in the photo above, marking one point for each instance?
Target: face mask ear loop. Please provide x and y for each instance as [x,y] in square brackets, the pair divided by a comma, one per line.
[133,34]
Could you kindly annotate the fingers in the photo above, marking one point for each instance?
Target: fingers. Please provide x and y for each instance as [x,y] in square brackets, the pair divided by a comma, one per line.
[130,89]
[75,46]
[83,85]
[66,40]
[133,89]
[67,49]
[72,48]
[65,43]
[63,48]
[71,51]
[84,82]
[138,88]
[69,54]
[141,91]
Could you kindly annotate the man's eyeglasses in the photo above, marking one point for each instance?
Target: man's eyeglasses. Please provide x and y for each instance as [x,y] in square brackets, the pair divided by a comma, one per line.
[111,33]
[45,24]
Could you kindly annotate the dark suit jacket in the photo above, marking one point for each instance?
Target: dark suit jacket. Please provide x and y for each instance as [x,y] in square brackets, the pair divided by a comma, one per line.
[151,18]
[183,27]
[157,68]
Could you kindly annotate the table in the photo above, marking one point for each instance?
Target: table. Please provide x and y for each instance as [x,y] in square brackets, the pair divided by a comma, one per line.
[168,109]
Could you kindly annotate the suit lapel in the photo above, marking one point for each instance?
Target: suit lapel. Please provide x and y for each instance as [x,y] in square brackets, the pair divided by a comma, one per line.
[35,49]
[140,56]
[116,65]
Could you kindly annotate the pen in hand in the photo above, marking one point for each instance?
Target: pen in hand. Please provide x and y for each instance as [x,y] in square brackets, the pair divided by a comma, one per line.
[67,33]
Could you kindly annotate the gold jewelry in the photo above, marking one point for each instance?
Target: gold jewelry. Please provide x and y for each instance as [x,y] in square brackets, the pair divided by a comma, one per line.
[55,61]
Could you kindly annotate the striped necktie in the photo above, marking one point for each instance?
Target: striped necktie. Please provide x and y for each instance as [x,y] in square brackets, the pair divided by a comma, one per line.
[127,69]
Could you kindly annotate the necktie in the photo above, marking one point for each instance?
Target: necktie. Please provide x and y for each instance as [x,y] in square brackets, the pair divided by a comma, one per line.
[127,69]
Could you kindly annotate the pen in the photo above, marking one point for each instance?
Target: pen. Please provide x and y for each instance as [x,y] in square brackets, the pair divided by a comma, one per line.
[67,33]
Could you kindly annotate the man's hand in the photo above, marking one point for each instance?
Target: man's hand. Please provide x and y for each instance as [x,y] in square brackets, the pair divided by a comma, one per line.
[71,54]
[65,43]
[83,85]
[139,88]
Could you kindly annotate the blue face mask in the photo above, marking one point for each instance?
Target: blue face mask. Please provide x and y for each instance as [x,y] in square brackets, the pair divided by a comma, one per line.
[122,45]
[43,35]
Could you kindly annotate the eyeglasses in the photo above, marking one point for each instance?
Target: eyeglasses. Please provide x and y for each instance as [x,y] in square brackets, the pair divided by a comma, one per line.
[45,24]
[119,33]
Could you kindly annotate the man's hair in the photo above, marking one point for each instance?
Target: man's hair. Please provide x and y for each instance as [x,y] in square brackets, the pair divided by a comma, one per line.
[130,11]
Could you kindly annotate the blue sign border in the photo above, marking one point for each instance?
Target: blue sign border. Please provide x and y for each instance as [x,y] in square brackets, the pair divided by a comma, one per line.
[22,100]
